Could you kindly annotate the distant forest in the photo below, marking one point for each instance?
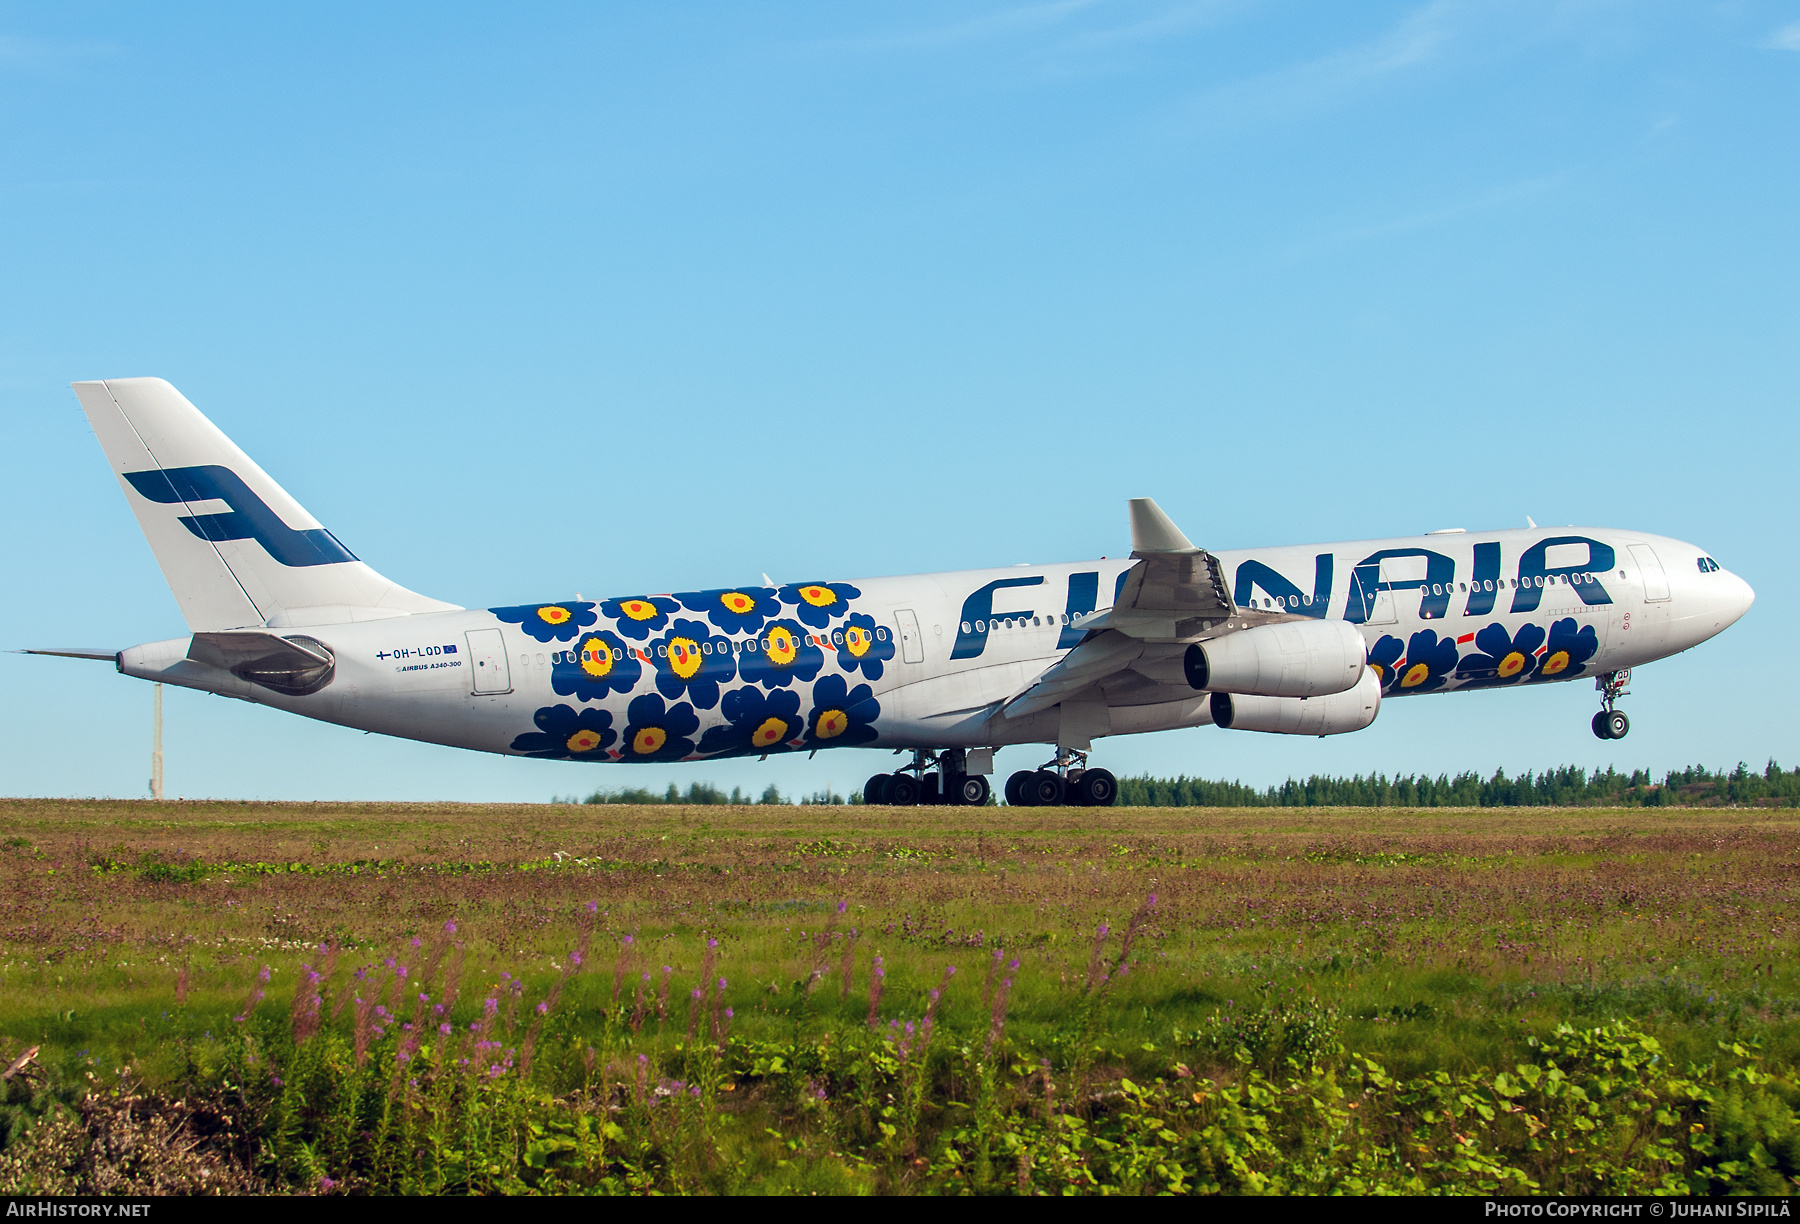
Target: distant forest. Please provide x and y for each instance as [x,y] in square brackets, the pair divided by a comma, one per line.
[1570,786]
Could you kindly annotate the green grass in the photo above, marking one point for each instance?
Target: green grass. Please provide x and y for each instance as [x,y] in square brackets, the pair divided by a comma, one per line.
[1285,947]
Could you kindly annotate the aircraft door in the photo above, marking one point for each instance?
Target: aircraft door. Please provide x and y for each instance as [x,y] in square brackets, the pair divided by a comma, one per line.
[912,642]
[488,669]
[1650,570]
[1379,603]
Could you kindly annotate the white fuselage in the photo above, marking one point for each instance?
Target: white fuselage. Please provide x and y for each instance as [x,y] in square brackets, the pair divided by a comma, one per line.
[1567,602]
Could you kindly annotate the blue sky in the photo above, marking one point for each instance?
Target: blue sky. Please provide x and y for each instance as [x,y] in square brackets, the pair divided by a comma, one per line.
[613,298]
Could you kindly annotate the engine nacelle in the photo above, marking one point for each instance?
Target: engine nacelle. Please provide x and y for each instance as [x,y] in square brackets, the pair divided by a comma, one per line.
[1351,710]
[1292,659]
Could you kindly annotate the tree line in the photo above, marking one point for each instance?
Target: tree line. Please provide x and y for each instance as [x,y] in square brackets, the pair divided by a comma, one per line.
[1569,786]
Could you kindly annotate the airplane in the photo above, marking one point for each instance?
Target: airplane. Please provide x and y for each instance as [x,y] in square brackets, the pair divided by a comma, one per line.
[946,667]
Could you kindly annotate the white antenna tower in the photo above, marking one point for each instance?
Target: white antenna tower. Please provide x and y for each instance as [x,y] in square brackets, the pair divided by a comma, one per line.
[156,789]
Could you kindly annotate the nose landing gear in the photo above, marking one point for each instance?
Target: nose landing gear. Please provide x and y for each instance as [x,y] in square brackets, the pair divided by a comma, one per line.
[1064,779]
[1611,724]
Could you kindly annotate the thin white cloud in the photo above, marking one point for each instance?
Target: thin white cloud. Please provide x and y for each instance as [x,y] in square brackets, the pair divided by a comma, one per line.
[1787,38]
[1007,23]
[39,51]
[1059,30]
[1419,39]
[1490,200]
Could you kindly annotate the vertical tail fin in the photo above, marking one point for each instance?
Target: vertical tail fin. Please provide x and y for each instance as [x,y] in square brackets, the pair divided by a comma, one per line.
[236,550]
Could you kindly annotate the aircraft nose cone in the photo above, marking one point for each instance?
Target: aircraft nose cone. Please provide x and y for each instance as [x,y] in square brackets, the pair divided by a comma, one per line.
[1737,598]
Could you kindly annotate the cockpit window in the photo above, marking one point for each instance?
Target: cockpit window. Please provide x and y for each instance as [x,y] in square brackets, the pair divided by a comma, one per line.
[1708,565]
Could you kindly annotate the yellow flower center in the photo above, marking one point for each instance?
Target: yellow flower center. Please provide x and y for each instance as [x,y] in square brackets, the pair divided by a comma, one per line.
[684,657]
[1416,675]
[554,615]
[856,641]
[831,724]
[782,647]
[772,731]
[1512,664]
[1555,663]
[649,741]
[638,609]
[818,596]
[1380,672]
[737,601]
[596,658]
[584,741]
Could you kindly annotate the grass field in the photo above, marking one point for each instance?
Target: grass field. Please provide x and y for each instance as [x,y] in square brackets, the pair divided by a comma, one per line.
[742,998]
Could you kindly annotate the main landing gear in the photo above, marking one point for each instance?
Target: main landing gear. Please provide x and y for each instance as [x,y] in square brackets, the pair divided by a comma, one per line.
[1609,723]
[911,784]
[1064,779]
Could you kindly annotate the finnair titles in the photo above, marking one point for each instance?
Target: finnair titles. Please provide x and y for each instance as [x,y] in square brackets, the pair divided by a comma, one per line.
[947,667]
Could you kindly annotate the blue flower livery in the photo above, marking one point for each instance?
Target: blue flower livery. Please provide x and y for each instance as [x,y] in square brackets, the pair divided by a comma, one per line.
[781,655]
[841,716]
[568,735]
[640,616]
[557,622]
[1382,657]
[691,662]
[1501,657]
[819,603]
[860,647]
[599,665]
[758,722]
[657,733]
[1568,650]
[1429,659]
[737,610]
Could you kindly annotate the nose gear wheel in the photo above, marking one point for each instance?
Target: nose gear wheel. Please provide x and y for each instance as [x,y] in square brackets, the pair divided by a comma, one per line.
[1611,724]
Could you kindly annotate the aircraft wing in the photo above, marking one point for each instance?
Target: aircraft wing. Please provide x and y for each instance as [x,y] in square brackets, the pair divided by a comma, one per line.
[74,652]
[1174,593]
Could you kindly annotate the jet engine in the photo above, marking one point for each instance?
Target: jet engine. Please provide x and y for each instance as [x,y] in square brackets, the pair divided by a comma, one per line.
[1351,710]
[1291,659]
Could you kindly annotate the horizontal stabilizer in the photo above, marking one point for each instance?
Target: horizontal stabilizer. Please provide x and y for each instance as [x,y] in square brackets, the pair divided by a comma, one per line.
[295,666]
[74,652]
[234,649]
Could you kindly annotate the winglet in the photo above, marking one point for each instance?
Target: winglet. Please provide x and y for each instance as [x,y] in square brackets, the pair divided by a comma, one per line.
[1152,531]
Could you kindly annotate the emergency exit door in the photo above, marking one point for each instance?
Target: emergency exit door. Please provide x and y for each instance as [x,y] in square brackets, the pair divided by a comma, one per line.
[912,643]
[488,670]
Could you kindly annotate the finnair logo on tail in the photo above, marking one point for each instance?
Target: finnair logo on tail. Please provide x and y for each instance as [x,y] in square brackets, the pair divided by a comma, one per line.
[250,517]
